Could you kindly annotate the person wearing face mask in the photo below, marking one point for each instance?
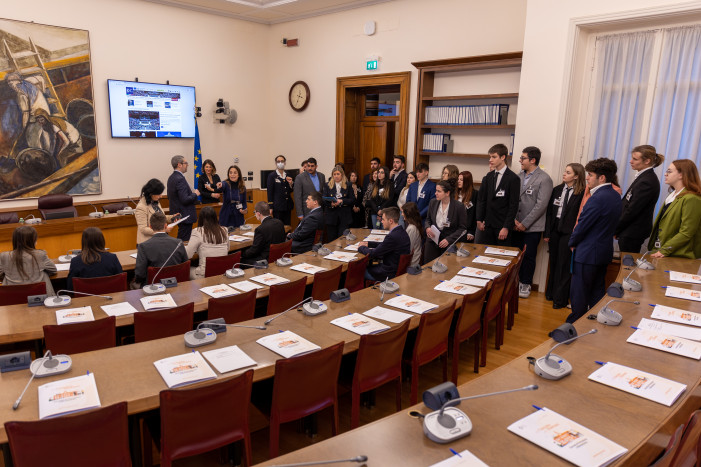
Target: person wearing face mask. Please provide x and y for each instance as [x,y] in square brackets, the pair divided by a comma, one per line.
[280,191]
[270,231]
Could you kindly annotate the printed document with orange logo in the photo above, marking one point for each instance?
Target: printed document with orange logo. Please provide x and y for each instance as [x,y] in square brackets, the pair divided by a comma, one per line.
[68,396]
[288,344]
[359,324]
[676,315]
[655,388]
[181,370]
[74,315]
[666,343]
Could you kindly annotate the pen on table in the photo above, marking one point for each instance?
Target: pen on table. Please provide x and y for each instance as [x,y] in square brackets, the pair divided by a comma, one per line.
[600,363]
[455,452]
[663,286]
[652,304]
[634,327]
[536,407]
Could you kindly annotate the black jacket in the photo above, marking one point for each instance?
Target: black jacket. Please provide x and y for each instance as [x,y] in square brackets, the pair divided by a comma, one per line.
[340,214]
[499,211]
[155,251]
[108,265]
[279,193]
[471,219]
[378,202]
[269,232]
[639,206]
[181,198]
[303,235]
[205,194]
[398,183]
[395,244]
[457,216]
[568,218]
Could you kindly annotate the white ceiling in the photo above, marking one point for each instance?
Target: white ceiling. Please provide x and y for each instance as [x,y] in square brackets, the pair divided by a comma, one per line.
[269,11]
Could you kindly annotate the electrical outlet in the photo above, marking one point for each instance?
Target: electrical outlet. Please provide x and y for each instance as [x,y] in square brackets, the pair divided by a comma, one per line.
[245,179]
[236,160]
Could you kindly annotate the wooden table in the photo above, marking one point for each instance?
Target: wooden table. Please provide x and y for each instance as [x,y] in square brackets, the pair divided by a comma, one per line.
[641,426]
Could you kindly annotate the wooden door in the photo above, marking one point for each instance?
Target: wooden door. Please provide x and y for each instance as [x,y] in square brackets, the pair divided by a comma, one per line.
[376,140]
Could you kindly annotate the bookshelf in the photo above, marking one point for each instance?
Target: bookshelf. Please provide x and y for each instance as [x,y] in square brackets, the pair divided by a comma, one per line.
[488,79]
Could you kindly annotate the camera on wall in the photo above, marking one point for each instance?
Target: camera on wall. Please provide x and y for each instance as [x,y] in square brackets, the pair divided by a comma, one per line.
[223,114]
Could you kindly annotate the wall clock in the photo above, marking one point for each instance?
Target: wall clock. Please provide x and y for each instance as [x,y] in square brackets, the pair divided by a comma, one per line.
[299,96]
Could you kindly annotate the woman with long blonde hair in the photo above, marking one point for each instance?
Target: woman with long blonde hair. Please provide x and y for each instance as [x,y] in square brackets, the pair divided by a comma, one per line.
[338,202]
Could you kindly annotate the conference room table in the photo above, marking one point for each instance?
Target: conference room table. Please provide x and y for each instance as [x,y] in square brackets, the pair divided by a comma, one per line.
[642,426]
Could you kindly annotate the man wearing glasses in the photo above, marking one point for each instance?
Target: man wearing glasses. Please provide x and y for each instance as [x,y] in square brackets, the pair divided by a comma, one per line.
[181,198]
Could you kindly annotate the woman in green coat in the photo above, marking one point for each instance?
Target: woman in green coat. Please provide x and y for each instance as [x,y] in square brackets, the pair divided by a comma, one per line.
[677,228]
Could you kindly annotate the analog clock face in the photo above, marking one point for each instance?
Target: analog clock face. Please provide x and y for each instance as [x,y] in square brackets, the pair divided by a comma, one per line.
[299,96]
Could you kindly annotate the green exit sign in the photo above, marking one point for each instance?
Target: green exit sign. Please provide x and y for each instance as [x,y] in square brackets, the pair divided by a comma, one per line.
[371,65]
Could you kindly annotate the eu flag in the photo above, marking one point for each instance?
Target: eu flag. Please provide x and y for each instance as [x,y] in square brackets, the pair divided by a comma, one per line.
[198,156]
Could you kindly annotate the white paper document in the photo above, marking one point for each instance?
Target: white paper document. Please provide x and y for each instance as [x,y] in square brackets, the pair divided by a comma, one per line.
[74,315]
[218,291]
[158,302]
[685,332]
[666,343]
[239,238]
[686,294]
[228,359]
[490,250]
[63,266]
[352,247]
[461,459]
[173,224]
[341,256]
[68,396]
[489,260]
[684,277]
[375,238]
[307,268]
[119,309]
[385,314]
[359,324]
[133,255]
[245,286]
[648,386]
[676,315]
[249,234]
[379,232]
[567,439]
[469,280]
[269,279]
[434,234]
[288,344]
[456,288]
[405,302]
[476,272]
[184,369]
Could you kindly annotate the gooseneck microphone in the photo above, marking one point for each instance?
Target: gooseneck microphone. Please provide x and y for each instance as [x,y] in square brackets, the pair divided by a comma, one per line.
[286,261]
[439,267]
[206,333]
[97,214]
[32,220]
[246,225]
[296,305]
[19,399]
[51,365]
[320,249]
[63,300]
[350,236]
[132,201]
[158,288]
[235,271]
[553,366]
[358,459]
[609,316]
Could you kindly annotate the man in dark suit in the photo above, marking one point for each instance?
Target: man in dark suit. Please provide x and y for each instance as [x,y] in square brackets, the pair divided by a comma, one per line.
[280,191]
[639,201]
[497,200]
[422,191]
[367,178]
[398,175]
[157,250]
[181,198]
[395,244]
[306,183]
[303,235]
[270,231]
[592,238]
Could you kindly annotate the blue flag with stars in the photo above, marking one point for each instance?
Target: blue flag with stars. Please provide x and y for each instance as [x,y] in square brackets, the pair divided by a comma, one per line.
[198,156]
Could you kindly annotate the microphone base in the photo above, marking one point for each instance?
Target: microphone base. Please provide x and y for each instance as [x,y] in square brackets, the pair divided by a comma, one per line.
[645,264]
[284,262]
[389,287]
[125,212]
[438,433]
[245,227]
[193,339]
[66,258]
[32,221]
[50,302]
[323,251]
[439,268]
[57,365]
[96,214]
[234,273]
[463,253]
[309,311]
[154,289]
[632,285]
[554,369]
[609,317]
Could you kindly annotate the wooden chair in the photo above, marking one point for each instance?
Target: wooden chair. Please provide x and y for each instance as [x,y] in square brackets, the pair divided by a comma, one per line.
[283,296]
[318,235]
[234,309]
[404,262]
[378,362]
[510,299]
[468,325]
[183,431]
[493,311]
[431,342]
[218,265]
[151,325]
[81,337]
[355,274]
[689,452]
[17,294]
[667,458]
[279,249]
[326,282]
[101,285]
[304,385]
[87,438]
[181,272]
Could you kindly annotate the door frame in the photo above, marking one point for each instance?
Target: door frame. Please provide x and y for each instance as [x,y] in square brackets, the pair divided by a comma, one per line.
[403,79]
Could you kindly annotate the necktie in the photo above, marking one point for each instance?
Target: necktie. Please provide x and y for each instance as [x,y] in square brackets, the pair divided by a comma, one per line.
[567,197]
[496,179]
[564,209]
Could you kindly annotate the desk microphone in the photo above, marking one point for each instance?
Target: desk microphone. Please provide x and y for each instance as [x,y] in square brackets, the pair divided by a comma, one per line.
[160,288]
[235,272]
[246,226]
[439,267]
[51,366]
[387,286]
[358,459]
[556,367]
[69,256]
[97,214]
[306,300]
[32,220]
[320,249]
[610,317]
[204,334]
[132,201]
[350,237]
[285,259]
[63,300]
[450,423]
[128,209]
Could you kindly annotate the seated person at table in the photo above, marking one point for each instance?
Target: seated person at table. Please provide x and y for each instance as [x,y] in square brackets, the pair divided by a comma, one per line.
[303,235]
[148,204]
[93,260]
[156,251]
[25,264]
[209,239]
[395,244]
[269,231]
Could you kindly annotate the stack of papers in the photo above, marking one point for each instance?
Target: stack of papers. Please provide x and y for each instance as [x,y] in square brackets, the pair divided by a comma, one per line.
[470,281]
[386,314]
[685,332]
[405,302]
[238,238]
[245,286]
[684,277]
[307,268]
[666,343]
[476,272]
[646,385]
[68,396]
[352,247]
[288,344]
[269,279]
[676,315]
[490,250]
[249,234]
[158,302]
[686,294]
[218,291]
[490,260]
[229,359]
[63,266]
[379,232]
[456,288]
[341,256]
[119,309]
[375,238]
[74,315]
[184,369]
[461,459]
[359,324]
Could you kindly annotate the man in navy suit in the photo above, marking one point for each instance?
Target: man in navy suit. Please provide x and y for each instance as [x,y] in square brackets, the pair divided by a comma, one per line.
[422,191]
[592,238]
[395,244]
[181,198]
[398,175]
[303,236]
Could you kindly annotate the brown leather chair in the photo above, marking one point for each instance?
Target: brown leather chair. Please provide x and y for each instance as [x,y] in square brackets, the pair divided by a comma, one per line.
[9,218]
[114,207]
[57,206]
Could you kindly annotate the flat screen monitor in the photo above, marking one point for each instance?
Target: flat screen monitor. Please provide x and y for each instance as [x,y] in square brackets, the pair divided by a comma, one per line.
[149,110]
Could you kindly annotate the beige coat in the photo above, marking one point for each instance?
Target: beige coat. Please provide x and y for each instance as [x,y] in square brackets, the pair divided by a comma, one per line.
[204,250]
[37,271]
[142,214]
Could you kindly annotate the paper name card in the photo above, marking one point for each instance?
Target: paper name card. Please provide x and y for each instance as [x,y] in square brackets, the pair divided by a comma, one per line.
[288,344]
[567,439]
[307,268]
[341,256]
[379,232]
[228,359]
[456,288]
[684,277]
[676,315]
[666,343]
[352,247]
[490,250]
[249,234]
[375,238]
[158,302]
[119,309]
[461,459]
[415,305]
[385,314]
[269,279]
[218,291]
[489,260]
[74,315]
[63,266]
[238,238]
[68,396]
[245,286]
[686,294]
[685,332]
[480,273]
[359,324]
[648,386]
[470,281]
[184,369]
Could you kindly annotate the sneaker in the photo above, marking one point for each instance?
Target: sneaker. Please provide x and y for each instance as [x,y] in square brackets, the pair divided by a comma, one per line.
[524,290]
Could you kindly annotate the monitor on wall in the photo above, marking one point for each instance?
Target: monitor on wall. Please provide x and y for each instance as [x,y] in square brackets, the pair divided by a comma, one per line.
[149,110]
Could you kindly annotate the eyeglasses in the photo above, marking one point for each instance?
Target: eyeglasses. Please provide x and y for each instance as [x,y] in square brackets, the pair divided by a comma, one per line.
[523,159]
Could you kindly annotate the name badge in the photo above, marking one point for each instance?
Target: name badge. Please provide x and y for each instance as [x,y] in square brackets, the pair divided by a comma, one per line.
[239,206]
[338,196]
[381,190]
[469,205]
[277,180]
[629,196]
[422,195]
[557,202]
[658,244]
[529,191]
[500,194]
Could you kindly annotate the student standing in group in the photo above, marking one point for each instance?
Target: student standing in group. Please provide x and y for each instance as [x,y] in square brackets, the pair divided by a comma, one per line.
[382,196]
[208,182]
[358,208]
[677,228]
[497,200]
[181,198]
[367,178]
[280,191]
[450,174]
[401,199]
[25,264]
[306,183]
[367,194]
[446,214]
[467,195]
[148,205]
[559,223]
[235,206]
[338,202]
[398,175]
[93,260]
[208,239]
[414,228]
[423,191]
[639,201]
